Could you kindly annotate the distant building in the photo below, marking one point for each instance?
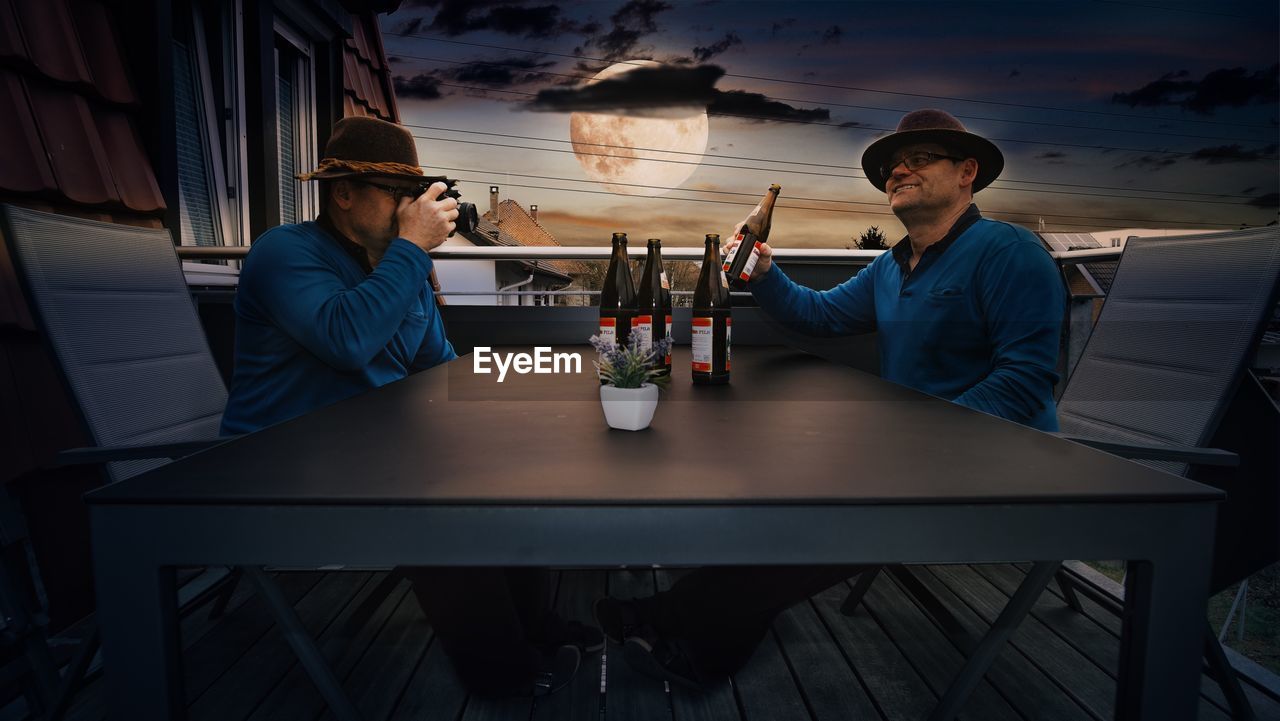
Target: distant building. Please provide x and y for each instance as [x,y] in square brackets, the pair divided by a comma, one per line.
[506,223]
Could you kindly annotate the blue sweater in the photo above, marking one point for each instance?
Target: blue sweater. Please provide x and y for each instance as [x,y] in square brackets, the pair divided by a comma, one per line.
[313,327]
[976,322]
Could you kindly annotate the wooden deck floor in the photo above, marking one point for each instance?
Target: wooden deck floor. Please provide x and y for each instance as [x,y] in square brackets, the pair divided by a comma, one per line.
[889,661]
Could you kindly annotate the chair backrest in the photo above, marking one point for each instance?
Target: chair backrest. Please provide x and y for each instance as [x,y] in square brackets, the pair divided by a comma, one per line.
[114,307]
[1173,339]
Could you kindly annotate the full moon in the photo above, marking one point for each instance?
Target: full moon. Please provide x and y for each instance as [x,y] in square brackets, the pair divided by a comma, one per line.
[638,155]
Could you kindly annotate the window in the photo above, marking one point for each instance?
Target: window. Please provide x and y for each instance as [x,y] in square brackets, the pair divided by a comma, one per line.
[206,144]
[295,123]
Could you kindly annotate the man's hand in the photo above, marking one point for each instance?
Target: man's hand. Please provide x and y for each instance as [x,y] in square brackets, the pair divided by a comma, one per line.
[766,253]
[427,221]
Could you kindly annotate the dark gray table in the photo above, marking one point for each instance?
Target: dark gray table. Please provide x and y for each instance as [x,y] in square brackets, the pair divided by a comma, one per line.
[797,461]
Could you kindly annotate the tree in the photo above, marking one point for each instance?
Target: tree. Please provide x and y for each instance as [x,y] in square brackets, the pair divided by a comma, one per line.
[873,239]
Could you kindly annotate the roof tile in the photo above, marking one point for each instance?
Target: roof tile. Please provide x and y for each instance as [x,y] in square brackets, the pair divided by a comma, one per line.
[25,168]
[102,49]
[52,41]
[11,43]
[130,168]
[72,142]
[361,43]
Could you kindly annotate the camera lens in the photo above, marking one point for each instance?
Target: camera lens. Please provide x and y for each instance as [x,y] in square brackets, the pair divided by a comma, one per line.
[468,218]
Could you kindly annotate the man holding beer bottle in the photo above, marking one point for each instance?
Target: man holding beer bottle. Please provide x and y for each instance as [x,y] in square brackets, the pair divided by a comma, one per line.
[966,308]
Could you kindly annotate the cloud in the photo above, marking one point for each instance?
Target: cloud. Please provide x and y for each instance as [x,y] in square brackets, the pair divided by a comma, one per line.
[757,107]
[1234,154]
[639,89]
[782,25]
[1154,162]
[1054,157]
[854,124]
[832,35]
[501,73]
[1224,87]
[1270,200]
[653,90]
[703,54]
[455,17]
[1015,73]
[410,27]
[422,87]
[1249,190]
[632,21]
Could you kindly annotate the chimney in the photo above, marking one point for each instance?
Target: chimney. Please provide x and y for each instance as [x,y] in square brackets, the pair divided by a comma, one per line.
[533,212]
[493,202]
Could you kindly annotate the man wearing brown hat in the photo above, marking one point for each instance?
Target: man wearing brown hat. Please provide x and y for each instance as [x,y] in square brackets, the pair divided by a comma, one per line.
[329,309]
[966,308]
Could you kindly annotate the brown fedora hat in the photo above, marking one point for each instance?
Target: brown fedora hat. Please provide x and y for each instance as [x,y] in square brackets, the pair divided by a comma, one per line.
[934,126]
[370,147]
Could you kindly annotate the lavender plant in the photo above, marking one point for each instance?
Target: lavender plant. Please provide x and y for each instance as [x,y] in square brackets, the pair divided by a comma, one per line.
[632,366]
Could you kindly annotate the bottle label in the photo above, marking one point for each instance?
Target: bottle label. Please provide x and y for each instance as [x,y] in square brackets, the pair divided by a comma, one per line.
[728,258]
[667,360]
[666,285]
[702,345]
[745,275]
[642,326]
[609,330]
[728,341]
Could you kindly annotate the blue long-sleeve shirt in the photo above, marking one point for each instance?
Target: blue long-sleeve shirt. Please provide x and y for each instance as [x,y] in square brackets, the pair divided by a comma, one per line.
[976,322]
[314,327]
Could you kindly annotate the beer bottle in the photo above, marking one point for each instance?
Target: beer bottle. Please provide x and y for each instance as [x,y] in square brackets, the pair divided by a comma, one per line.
[711,318]
[618,297]
[652,321]
[755,232]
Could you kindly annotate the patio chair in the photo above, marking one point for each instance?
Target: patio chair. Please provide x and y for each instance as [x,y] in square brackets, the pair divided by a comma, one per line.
[1165,368]
[113,305]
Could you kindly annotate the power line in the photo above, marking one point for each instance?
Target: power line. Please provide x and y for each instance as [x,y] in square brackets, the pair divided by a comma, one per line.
[430,38]
[825,210]
[865,127]
[796,207]
[856,107]
[1001,182]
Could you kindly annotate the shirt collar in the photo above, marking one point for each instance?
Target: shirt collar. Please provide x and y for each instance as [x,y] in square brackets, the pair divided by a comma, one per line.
[902,250]
[353,249]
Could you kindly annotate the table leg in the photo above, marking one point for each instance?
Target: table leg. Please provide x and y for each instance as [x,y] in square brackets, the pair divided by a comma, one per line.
[137,615]
[1160,646]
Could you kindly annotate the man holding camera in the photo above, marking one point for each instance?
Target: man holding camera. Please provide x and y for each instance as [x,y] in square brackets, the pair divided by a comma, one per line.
[333,308]
[329,309]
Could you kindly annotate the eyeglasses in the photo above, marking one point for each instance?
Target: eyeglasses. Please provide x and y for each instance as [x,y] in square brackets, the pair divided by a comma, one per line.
[915,161]
[397,192]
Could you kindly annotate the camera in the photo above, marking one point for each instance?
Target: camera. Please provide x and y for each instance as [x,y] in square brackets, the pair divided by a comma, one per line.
[468,218]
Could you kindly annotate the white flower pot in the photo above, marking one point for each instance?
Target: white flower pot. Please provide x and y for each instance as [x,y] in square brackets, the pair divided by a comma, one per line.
[629,409]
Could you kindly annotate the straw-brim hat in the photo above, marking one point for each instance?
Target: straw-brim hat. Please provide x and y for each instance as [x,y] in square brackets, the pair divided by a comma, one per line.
[934,126]
[367,147]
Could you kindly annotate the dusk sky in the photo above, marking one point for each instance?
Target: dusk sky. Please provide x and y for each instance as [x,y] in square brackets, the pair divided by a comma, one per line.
[1110,114]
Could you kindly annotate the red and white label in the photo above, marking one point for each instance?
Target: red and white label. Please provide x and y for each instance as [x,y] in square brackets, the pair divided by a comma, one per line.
[666,285]
[728,341]
[609,330]
[667,360]
[643,325]
[745,275]
[702,345]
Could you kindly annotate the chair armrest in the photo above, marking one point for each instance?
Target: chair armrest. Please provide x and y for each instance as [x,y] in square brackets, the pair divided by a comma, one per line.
[109,454]
[1181,454]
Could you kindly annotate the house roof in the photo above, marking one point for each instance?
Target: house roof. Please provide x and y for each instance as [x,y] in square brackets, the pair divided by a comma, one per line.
[486,233]
[516,222]
[70,103]
[366,77]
